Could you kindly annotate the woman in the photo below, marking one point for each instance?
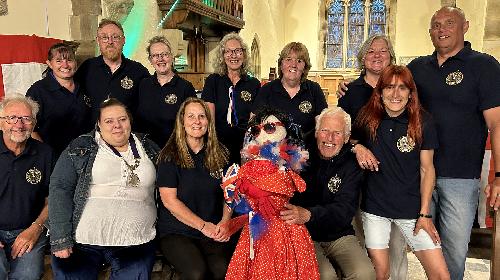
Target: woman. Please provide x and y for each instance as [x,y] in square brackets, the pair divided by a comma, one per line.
[101,201]
[189,178]
[64,109]
[293,93]
[375,54]
[401,135]
[161,94]
[269,248]
[230,92]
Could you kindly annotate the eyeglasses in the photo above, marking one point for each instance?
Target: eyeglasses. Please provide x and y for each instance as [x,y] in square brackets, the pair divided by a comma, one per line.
[158,56]
[14,119]
[269,128]
[114,38]
[237,52]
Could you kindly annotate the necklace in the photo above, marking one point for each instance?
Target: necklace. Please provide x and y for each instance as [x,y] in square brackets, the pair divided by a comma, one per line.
[133,179]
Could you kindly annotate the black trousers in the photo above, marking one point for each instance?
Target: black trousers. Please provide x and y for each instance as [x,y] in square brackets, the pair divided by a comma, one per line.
[195,258]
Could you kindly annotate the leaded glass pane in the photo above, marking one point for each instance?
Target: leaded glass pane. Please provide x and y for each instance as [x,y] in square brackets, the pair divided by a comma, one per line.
[377,17]
[334,39]
[356,32]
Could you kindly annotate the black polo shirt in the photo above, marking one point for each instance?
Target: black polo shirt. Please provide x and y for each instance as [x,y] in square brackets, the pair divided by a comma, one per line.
[99,83]
[394,190]
[24,183]
[303,107]
[216,91]
[63,115]
[196,188]
[158,105]
[332,194]
[356,97]
[456,94]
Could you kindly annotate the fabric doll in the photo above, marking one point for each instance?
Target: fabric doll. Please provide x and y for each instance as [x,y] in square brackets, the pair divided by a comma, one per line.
[268,248]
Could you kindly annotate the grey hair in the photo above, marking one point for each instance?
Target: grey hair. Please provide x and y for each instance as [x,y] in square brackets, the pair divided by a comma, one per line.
[335,111]
[19,98]
[219,64]
[158,39]
[366,46]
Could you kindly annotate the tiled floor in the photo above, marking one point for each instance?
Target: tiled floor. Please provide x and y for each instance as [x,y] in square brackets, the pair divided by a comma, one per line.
[475,269]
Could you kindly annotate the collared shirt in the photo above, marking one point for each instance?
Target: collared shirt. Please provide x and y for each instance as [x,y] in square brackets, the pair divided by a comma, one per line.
[158,105]
[332,194]
[24,183]
[303,107]
[456,94]
[63,115]
[356,97]
[99,83]
[196,188]
[244,93]
[394,190]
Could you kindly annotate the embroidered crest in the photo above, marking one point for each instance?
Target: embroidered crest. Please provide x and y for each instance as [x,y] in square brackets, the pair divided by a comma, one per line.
[217,174]
[334,183]
[405,144]
[305,107]
[33,176]
[171,99]
[86,99]
[246,96]
[127,83]
[454,78]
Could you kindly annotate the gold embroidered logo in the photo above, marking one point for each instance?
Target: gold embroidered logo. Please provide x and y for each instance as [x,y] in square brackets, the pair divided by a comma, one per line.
[171,99]
[405,144]
[246,96]
[334,183]
[217,174]
[454,78]
[86,99]
[305,107]
[127,83]
[34,176]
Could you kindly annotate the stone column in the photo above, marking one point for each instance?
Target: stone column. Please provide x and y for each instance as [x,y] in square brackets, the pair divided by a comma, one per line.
[83,26]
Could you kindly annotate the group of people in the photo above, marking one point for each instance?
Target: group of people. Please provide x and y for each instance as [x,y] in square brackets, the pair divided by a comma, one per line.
[118,163]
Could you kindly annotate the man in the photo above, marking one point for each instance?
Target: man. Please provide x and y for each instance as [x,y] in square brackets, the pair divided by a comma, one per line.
[111,74]
[328,205]
[25,167]
[460,87]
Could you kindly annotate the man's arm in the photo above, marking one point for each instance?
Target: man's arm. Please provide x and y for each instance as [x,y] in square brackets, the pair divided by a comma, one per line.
[27,239]
[492,117]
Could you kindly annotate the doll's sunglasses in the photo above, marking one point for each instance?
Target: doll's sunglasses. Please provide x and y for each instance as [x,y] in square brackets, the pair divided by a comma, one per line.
[269,128]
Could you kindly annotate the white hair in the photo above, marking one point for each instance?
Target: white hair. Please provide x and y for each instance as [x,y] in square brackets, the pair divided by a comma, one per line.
[335,111]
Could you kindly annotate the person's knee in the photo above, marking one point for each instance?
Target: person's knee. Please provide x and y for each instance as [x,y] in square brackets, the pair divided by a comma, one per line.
[364,273]
[29,272]
[219,270]
[195,273]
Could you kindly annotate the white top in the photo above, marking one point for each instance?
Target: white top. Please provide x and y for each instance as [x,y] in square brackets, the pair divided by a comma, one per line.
[116,214]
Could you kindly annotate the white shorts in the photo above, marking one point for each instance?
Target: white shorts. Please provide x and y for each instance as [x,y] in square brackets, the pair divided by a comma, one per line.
[378,231]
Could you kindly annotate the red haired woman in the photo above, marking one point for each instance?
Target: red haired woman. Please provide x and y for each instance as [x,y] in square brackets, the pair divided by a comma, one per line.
[403,138]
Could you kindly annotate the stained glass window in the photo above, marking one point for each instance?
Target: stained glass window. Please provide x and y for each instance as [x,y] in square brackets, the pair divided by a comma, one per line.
[377,17]
[350,16]
[334,40]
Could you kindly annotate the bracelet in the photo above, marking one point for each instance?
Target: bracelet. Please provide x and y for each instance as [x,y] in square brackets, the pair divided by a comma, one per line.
[429,216]
[40,225]
[352,148]
[497,174]
[203,226]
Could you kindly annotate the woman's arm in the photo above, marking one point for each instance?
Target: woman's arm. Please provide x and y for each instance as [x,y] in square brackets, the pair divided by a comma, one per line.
[182,213]
[427,182]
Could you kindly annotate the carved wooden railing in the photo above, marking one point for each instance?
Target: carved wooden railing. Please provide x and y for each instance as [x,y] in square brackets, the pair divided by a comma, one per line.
[228,13]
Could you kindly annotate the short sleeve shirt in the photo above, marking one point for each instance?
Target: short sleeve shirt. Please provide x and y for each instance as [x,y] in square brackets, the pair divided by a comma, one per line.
[394,190]
[24,183]
[356,97]
[456,94]
[158,105]
[63,115]
[302,108]
[197,188]
[99,83]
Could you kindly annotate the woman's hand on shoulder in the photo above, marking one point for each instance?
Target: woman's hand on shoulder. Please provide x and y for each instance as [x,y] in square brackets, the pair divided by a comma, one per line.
[365,157]
[64,253]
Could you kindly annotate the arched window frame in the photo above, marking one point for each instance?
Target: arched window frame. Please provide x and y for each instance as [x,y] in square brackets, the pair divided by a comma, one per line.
[348,60]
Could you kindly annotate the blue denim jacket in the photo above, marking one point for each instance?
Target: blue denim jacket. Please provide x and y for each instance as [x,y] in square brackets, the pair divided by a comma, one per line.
[69,187]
